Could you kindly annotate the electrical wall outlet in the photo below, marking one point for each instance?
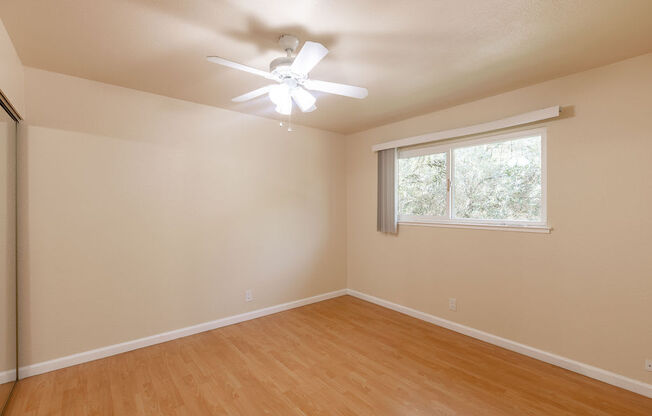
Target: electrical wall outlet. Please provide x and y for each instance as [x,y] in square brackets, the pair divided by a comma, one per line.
[248,295]
[452,304]
[648,364]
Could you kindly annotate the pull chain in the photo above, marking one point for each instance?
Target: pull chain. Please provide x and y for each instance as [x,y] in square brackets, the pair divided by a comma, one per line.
[289,122]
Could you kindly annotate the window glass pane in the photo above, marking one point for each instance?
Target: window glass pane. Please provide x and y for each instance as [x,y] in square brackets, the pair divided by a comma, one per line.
[422,185]
[500,181]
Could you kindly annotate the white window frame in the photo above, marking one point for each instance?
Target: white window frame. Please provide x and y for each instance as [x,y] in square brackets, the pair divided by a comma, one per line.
[448,220]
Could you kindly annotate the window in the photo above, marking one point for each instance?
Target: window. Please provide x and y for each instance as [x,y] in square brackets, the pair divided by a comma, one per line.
[495,181]
[423,185]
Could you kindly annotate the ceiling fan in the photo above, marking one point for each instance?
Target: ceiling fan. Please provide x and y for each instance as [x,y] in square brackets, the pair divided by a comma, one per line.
[291,75]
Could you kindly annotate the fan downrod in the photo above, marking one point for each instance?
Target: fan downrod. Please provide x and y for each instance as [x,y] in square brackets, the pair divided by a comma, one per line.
[281,66]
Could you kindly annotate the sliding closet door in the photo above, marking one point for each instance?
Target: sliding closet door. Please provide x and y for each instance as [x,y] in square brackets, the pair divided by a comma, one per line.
[8,361]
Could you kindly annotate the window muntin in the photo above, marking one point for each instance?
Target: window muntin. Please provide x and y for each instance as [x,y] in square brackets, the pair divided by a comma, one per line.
[497,180]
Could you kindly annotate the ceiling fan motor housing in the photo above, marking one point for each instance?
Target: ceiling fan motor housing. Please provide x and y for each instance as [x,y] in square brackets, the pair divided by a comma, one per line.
[281,66]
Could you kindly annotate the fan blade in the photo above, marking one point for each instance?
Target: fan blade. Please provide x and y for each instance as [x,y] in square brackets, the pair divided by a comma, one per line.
[252,94]
[335,88]
[304,99]
[235,65]
[309,56]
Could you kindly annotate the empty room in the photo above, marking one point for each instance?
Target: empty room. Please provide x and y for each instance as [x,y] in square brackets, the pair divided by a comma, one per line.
[325,207]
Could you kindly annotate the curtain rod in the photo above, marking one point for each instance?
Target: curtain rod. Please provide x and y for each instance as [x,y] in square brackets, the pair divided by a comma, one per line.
[525,118]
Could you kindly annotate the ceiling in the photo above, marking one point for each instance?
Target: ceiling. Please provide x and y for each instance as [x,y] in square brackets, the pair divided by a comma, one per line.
[413,56]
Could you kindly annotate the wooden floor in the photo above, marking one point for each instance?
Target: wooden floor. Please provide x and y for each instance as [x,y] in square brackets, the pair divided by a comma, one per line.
[339,357]
[5,390]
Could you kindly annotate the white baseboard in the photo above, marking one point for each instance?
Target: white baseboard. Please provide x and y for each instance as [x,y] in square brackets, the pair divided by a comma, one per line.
[563,362]
[572,365]
[7,376]
[82,357]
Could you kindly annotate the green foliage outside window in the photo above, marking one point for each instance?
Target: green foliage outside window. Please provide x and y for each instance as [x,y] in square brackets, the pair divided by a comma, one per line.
[492,181]
[422,185]
[498,180]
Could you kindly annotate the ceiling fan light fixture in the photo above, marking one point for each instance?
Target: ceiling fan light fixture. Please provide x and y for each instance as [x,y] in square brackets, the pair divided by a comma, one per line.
[284,107]
[286,111]
[304,99]
[279,94]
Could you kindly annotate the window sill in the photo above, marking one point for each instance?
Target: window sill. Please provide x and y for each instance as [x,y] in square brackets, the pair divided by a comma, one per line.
[518,228]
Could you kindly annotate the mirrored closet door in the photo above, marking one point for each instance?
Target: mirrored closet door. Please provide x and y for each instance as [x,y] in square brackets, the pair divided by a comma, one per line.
[8,356]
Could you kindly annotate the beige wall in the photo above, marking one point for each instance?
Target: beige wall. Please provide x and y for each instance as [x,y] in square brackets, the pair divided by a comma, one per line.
[585,290]
[12,77]
[144,214]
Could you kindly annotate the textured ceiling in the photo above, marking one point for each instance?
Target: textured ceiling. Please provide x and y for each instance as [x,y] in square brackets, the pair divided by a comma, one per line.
[413,56]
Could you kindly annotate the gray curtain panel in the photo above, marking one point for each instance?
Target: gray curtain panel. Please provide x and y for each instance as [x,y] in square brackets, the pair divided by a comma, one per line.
[387,191]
